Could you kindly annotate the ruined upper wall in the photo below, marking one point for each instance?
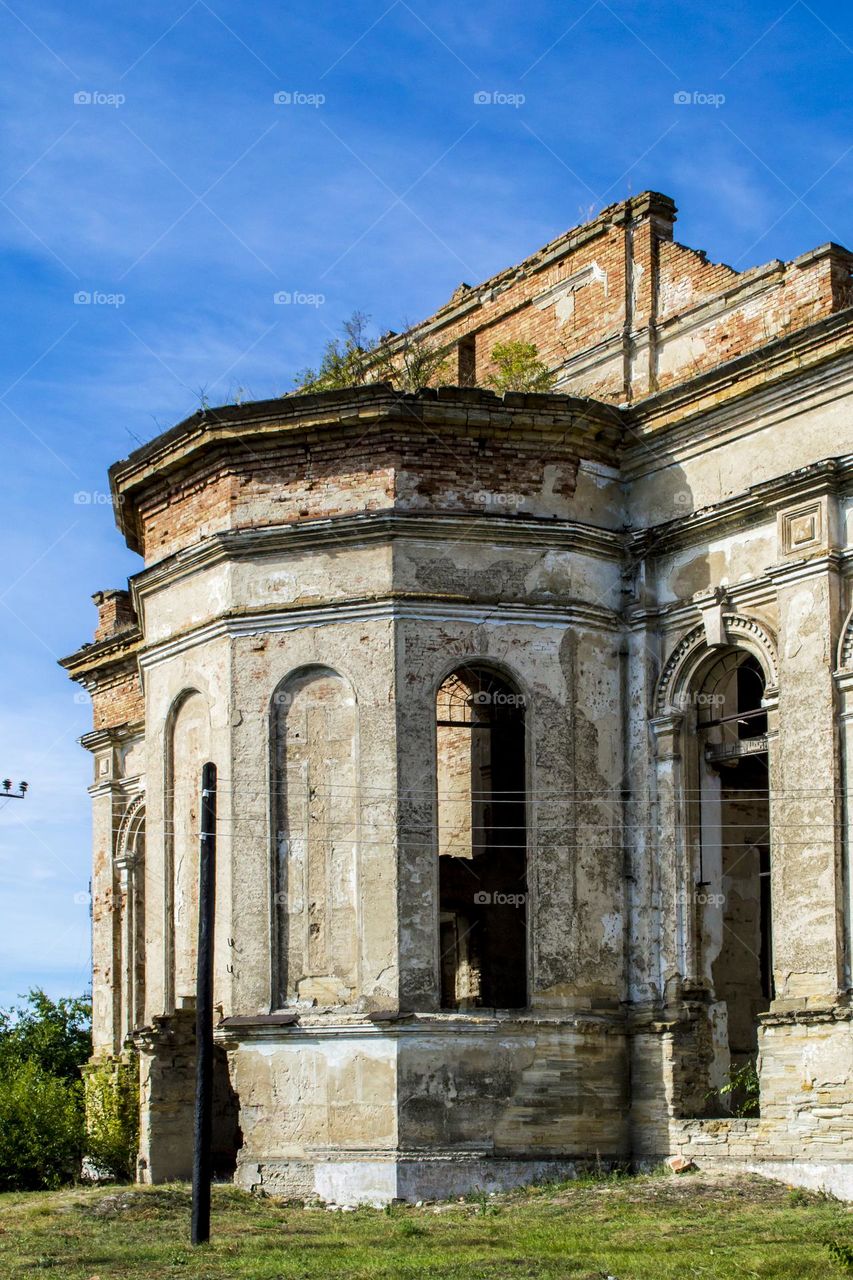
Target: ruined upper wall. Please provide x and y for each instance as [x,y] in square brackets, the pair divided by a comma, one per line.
[366,450]
[619,310]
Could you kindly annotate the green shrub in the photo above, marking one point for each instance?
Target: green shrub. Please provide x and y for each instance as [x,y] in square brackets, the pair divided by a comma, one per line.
[518,368]
[41,1128]
[742,1087]
[112,1115]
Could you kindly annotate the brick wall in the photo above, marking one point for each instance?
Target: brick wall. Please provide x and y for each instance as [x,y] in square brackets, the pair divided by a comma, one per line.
[594,299]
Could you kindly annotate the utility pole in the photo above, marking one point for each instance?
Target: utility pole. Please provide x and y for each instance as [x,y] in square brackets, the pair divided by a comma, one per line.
[202,1163]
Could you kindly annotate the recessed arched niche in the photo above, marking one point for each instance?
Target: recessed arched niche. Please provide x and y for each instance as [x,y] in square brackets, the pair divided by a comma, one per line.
[314,767]
[189,745]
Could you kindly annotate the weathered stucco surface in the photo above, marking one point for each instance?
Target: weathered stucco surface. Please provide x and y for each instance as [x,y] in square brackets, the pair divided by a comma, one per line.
[532,722]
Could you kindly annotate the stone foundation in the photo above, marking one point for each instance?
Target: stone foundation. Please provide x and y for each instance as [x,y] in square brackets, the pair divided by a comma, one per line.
[426,1107]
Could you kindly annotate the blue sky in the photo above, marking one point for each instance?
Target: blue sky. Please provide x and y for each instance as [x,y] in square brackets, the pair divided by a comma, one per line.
[181,197]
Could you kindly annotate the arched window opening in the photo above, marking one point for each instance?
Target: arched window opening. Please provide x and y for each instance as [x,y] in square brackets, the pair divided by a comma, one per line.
[735,887]
[482,842]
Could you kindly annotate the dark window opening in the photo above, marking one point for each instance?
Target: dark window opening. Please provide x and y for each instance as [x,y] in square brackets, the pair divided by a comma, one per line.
[482,842]
[467,352]
[737,906]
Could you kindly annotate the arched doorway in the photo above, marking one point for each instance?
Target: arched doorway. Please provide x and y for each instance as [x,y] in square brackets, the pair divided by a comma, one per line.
[482,841]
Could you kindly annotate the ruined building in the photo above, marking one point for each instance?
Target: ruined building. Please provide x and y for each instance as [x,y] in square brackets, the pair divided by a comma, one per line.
[532,716]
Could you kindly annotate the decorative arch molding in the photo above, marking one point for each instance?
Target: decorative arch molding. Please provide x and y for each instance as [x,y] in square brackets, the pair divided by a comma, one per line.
[693,649]
[845,644]
[131,822]
[303,674]
[484,662]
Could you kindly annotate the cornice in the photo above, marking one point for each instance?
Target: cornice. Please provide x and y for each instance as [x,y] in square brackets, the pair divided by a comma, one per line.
[757,504]
[583,426]
[751,596]
[411,608]
[742,395]
[380,527]
[103,656]
[801,570]
[116,735]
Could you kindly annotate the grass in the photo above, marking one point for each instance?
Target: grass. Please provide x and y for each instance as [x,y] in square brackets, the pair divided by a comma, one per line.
[627,1228]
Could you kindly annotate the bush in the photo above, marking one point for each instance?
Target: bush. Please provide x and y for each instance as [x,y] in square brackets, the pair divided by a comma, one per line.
[112,1116]
[41,1128]
[518,368]
[42,1131]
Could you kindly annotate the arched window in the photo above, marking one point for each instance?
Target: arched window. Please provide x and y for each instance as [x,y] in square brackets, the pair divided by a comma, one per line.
[734,891]
[482,841]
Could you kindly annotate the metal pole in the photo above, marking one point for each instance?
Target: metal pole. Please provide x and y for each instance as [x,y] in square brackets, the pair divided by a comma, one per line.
[202,1165]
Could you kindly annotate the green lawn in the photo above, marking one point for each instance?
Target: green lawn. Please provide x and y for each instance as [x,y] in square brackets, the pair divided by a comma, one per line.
[644,1228]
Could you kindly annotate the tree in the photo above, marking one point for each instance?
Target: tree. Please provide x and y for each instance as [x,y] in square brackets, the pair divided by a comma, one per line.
[56,1035]
[518,368]
[347,360]
[43,1045]
[413,361]
[355,359]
